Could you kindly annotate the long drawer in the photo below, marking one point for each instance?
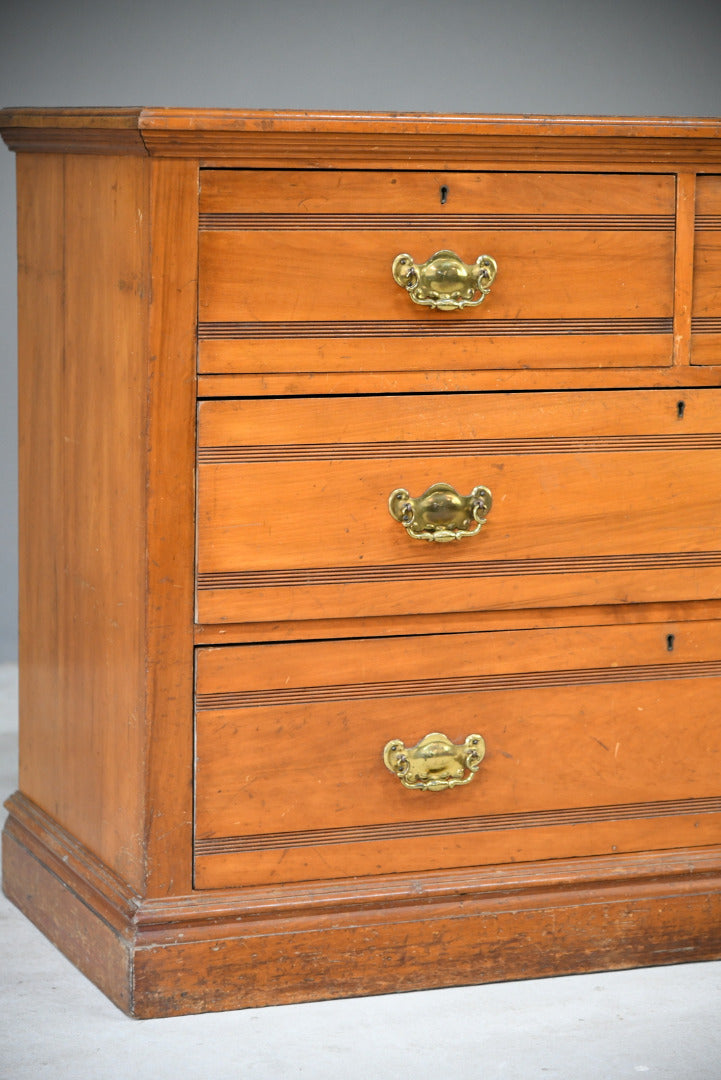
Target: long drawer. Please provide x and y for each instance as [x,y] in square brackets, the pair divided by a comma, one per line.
[585,750]
[295,270]
[597,498]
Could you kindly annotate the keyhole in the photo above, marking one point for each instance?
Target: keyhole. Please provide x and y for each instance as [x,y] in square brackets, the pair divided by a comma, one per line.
[680,409]
[670,642]
[444,194]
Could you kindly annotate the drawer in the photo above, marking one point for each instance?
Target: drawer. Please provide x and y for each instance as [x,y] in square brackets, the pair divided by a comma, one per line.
[597,498]
[597,740]
[295,270]
[706,309]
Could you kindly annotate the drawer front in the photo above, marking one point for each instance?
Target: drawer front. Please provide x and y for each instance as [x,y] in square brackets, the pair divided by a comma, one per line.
[295,270]
[597,498]
[706,321]
[597,740]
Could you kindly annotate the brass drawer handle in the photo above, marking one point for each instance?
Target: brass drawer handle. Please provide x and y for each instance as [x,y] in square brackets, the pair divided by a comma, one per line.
[436,763]
[444,281]
[440,513]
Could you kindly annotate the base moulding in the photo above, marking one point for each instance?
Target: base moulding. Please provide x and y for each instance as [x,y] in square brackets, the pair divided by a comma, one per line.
[241,948]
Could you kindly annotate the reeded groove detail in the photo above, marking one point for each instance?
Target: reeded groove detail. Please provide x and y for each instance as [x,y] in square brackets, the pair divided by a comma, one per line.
[433,327]
[708,222]
[230,222]
[435,148]
[226,845]
[229,455]
[706,325]
[356,575]
[461,684]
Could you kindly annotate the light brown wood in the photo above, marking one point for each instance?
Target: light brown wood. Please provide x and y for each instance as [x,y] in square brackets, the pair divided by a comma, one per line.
[281,139]
[457,622]
[261,192]
[514,422]
[171,531]
[382,357]
[565,489]
[544,275]
[306,745]
[603,913]
[98,660]
[706,321]
[708,266]
[572,289]
[491,845]
[82,513]
[48,898]
[708,196]
[204,818]
[505,380]
[683,272]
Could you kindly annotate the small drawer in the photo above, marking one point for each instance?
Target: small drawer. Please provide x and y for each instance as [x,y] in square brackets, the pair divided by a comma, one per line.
[706,310]
[586,751]
[295,271]
[597,498]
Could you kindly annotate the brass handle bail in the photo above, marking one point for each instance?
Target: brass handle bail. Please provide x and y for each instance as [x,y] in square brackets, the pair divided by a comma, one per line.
[440,514]
[444,281]
[435,763]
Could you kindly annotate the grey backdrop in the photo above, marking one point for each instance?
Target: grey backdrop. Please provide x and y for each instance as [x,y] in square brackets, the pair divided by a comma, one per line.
[506,56]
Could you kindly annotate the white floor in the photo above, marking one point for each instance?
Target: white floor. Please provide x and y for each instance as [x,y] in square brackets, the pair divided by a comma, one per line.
[660,1023]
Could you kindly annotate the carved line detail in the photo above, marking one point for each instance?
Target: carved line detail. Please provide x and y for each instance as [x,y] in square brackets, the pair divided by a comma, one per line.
[706,325]
[350,575]
[460,684]
[450,826]
[708,221]
[252,331]
[228,455]
[349,221]
[436,149]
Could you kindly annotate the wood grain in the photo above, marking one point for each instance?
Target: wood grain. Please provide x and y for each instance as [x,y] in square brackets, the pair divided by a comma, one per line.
[191,953]
[406,419]
[577,512]
[706,311]
[504,380]
[552,274]
[242,858]
[82,507]
[450,850]
[312,140]
[556,494]
[683,273]
[267,745]
[310,194]
[707,292]
[171,533]
[708,197]
[425,351]
[458,622]
[99,664]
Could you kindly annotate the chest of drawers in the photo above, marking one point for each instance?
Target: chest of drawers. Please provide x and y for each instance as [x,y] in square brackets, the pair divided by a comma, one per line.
[370,549]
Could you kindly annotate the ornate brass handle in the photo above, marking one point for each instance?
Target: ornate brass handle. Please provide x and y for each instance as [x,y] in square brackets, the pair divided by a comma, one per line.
[436,763]
[444,281]
[441,514]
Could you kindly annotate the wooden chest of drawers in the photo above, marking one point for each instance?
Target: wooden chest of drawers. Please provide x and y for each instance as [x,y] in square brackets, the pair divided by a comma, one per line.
[371,549]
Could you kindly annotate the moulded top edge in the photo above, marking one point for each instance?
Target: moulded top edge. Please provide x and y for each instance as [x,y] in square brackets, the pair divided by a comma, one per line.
[269,137]
[423,123]
[70,117]
[288,120]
